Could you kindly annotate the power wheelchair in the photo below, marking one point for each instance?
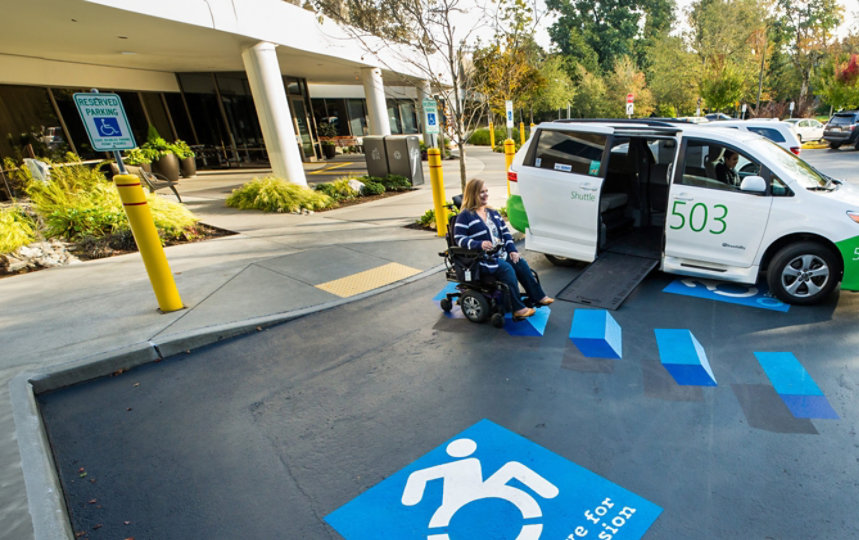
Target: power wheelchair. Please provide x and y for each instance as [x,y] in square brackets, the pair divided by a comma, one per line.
[479,295]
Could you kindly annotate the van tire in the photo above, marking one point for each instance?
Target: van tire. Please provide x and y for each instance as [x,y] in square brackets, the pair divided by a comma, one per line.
[557,260]
[788,273]
[835,145]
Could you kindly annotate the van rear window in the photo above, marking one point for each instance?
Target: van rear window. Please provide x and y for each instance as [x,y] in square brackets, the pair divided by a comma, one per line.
[769,133]
[570,151]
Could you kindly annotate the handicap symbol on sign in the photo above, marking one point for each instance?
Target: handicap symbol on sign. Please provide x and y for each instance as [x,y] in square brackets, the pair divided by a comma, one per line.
[463,484]
[431,119]
[107,126]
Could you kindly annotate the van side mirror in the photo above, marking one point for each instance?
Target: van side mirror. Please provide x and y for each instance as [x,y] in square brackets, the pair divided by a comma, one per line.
[754,184]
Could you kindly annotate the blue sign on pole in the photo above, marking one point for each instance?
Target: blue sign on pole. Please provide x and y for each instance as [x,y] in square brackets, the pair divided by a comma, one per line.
[488,482]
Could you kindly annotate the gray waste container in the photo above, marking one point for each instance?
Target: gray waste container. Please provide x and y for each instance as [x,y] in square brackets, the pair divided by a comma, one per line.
[404,157]
[374,154]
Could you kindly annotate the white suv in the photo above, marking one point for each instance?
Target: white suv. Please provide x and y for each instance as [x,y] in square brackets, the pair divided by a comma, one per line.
[781,133]
[577,187]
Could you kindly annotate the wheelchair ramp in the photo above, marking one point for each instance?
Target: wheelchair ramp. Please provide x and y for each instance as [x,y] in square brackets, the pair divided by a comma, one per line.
[608,280]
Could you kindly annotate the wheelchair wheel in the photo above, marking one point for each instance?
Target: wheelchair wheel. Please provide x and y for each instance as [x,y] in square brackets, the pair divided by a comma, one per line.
[497,320]
[446,305]
[475,306]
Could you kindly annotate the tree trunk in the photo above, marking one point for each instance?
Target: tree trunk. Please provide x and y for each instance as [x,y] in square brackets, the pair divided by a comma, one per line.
[462,175]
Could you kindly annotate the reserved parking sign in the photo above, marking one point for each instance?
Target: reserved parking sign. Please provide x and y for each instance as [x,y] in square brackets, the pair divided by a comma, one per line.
[488,482]
[105,121]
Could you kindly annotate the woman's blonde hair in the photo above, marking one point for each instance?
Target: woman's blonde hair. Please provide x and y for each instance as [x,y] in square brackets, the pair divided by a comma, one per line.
[471,196]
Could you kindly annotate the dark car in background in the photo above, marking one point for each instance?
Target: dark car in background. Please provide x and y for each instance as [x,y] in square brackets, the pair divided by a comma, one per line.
[842,128]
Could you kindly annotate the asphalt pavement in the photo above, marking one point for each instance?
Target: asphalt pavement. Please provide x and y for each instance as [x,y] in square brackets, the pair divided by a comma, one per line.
[71,324]
[92,318]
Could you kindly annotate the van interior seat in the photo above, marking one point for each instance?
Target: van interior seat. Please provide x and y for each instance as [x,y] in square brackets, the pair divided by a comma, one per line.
[612,200]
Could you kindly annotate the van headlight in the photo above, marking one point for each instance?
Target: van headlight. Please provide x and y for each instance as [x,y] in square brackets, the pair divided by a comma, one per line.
[853,215]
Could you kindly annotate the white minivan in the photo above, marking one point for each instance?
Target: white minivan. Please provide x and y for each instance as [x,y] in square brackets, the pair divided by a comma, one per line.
[580,189]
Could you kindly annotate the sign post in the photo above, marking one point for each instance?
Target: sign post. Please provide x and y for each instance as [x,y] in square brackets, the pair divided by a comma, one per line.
[630,99]
[108,130]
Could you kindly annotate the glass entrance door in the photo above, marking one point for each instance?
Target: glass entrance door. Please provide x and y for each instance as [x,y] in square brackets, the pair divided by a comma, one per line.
[305,141]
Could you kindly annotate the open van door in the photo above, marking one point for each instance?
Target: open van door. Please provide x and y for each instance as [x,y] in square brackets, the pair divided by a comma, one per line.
[560,180]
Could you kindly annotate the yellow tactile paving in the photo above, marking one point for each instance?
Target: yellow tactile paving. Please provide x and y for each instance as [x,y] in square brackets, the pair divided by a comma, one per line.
[368,280]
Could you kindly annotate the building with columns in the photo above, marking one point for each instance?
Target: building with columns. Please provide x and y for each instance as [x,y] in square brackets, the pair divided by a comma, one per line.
[243,82]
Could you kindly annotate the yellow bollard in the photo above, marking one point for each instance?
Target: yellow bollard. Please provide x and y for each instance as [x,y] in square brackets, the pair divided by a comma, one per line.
[437,182]
[491,136]
[509,152]
[148,242]
[531,131]
[521,132]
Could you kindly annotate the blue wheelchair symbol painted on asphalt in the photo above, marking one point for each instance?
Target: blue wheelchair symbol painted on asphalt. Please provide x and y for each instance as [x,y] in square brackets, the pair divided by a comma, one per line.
[488,482]
[756,296]
[107,126]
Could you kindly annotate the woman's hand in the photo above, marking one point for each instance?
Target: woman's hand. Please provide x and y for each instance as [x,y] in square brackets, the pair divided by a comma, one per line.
[514,256]
[486,245]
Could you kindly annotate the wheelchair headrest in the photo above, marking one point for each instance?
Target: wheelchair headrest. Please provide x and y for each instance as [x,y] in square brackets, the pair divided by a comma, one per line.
[457,200]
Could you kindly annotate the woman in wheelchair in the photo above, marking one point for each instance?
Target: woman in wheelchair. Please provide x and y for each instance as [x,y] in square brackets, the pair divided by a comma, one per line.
[481,227]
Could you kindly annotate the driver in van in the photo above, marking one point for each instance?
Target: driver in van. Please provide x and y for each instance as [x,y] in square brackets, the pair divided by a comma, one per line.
[726,171]
[480,227]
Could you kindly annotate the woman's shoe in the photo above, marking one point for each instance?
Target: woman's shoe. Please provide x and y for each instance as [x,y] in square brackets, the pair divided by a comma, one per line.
[523,314]
[545,301]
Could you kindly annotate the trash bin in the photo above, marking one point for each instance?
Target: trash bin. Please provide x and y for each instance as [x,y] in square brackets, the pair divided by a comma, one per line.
[404,157]
[374,155]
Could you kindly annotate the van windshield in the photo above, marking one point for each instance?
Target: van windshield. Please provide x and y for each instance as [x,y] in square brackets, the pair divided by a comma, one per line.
[804,174]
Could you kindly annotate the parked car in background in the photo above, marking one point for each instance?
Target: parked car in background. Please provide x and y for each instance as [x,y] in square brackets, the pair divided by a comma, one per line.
[781,133]
[712,117]
[842,128]
[693,119]
[807,129]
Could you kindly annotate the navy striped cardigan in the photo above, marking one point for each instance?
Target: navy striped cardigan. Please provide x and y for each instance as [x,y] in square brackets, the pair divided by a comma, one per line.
[470,231]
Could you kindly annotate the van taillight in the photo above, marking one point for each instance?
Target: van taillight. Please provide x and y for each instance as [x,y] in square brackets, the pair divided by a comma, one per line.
[794,149]
[512,176]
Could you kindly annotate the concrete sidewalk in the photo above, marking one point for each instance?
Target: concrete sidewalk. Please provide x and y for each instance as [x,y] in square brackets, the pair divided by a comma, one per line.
[278,266]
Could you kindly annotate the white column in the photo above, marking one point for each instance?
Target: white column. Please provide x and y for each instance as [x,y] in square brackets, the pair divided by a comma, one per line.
[377,110]
[424,93]
[272,108]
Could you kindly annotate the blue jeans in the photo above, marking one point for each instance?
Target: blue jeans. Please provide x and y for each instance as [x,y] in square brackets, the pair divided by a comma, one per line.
[509,273]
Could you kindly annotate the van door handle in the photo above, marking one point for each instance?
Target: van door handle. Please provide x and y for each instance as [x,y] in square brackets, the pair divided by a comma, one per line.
[589,187]
[684,197]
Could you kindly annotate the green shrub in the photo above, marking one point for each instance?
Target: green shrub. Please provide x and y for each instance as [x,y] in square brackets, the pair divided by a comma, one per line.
[480,136]
[372,188]
[339,189]
[16,229]
[182,149]
[427,220]
[78,202]
[395,182]
[272,194]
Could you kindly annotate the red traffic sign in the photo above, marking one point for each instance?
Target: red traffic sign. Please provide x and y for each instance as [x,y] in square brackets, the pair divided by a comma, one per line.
[630,98]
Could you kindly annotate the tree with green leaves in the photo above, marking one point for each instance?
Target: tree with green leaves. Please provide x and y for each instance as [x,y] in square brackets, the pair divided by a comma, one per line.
[809,26]
[673,77]
[837,81]
[599,32]
[422,34]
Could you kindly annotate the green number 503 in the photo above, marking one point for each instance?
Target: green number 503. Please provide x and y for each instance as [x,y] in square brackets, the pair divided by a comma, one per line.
[699,216]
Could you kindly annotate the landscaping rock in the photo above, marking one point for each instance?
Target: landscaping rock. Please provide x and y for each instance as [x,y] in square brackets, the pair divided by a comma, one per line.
[37,255]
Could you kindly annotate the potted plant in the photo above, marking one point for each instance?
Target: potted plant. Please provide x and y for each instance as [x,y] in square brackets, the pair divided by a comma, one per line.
[327,132]
[139,157]
[167,162]
[187,163]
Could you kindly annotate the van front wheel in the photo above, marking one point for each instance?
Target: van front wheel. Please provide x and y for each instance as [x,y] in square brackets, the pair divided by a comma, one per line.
[803,273]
